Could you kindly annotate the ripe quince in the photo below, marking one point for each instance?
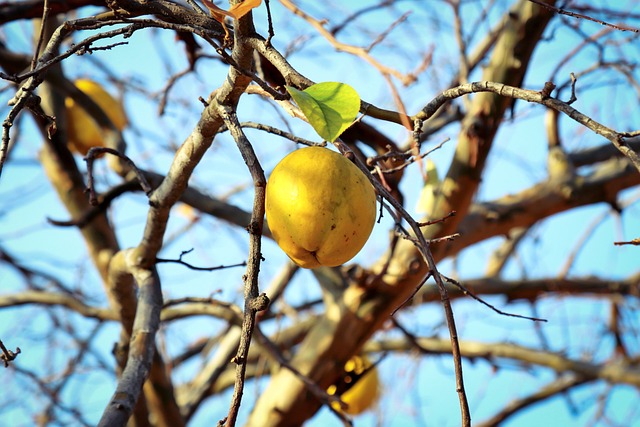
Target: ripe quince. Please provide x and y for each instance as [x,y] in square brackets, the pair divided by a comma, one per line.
[320,207]
[83,131]
[361,386]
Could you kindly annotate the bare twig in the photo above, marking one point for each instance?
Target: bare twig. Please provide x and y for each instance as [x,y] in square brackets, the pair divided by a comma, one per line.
[254,302]
[104,200]
[423,247]
[279,132]
[634,242]
[94,153]
[193,267]
[8,355]
[380,38]
[581,16]
[465,290]
[561,385]
[617,138]
[406,79]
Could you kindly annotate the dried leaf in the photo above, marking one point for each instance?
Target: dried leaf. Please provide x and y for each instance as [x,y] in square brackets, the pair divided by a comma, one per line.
[238,10]
[217,13]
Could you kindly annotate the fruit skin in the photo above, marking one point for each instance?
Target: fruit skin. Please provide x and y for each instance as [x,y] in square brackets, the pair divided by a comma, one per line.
[83,131]
[320,207]
[361,395]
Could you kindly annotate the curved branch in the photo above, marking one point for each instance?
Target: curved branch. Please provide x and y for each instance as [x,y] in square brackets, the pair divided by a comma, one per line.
[556,387]
[616,138]
[142,342]
[51,298]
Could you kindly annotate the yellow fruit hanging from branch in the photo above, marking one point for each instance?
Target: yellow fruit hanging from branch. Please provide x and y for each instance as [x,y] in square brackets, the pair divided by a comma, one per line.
[320,207]
[83,131]
[359,388]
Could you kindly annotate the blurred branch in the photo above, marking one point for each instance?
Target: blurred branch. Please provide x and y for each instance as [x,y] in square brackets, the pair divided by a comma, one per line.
[505,252]
[615,371]
[513,290]
[550,390]
[543,200]
[533,289]
[406,79]
[207,381]
[199,388]
[586,17]
[31,9]
[52,298]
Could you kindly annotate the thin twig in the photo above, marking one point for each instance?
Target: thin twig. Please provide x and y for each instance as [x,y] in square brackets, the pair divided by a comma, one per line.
[193,267]
[253,301]
[8,355]
[386,32]
[407,154]
[43,21]
[93,154]
[279,132]
[617,138]
[466,291]
[104,201]
[436,221]
[271,32]
[423,247]
[581,16]
[634,242]
[406,79]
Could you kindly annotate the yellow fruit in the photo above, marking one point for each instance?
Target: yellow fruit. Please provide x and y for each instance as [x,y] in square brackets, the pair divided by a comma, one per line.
[83,130]
[320,207]
[362,391]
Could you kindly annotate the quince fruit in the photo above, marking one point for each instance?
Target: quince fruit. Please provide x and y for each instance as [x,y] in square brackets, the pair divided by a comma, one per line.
[83,131]
[320,207]
[359,388]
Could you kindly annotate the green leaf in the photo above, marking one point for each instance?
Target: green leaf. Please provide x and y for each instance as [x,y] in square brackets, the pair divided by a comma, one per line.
[330,107]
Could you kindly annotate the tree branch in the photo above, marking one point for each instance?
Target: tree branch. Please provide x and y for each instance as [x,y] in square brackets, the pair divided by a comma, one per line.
[614,371]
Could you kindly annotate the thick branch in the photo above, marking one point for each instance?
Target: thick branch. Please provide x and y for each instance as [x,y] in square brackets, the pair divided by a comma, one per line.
[142,343]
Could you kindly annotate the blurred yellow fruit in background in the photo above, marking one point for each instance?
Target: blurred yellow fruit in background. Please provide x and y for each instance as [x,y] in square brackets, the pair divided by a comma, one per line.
[83,131]
[362,391]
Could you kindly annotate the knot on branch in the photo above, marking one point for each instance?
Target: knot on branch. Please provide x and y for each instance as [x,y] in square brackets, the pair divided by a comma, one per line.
[259,303]
[547,89]
[254,228]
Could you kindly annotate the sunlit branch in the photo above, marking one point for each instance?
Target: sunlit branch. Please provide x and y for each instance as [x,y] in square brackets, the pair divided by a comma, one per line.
[618,372]
[616,138]
[533,289]
[142,342]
